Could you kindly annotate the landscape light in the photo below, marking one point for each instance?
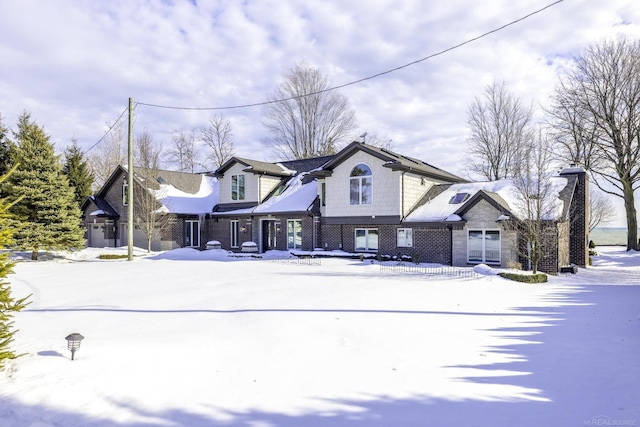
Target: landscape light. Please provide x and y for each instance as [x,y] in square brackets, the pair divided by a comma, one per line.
[73,343]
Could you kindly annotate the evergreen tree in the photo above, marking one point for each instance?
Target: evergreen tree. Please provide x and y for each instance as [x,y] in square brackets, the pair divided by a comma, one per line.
[5,148]
[77,171]
[49,213]
[8,305]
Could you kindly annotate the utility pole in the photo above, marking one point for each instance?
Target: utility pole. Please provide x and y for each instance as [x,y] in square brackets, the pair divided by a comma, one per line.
[130,185]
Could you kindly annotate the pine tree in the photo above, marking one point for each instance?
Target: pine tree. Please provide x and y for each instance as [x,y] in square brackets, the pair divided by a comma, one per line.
[77,171]
[49,213]
[5,148]
[8,305]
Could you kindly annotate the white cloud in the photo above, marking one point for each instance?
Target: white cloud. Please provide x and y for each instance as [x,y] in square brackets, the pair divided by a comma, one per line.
[74,65]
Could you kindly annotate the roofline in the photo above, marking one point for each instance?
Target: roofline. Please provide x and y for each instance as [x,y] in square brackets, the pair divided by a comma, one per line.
[482,195]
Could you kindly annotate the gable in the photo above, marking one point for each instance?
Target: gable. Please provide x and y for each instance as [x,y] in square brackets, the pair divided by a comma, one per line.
[391,160]
[253,167]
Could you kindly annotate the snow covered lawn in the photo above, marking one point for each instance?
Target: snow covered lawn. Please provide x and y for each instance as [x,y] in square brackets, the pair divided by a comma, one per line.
[189,338]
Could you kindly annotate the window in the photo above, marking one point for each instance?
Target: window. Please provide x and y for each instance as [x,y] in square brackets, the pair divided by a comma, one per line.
[237,187]
[405,237]
[484,246]
[192,233]
[233,231]
[366,239]
[125,194]
[294,234]
[458,198]
[360,185]
[323,193]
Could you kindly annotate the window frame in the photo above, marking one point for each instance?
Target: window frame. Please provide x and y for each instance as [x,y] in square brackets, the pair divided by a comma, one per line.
[238,188]
[407,238]
[483,251]
[364,197]
[125,194]
[368,247]
[294,234]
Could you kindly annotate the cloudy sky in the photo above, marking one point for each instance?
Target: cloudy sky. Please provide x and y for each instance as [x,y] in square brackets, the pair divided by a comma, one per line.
[73,64]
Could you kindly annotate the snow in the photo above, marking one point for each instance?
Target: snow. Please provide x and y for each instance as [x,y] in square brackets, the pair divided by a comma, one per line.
[484,269]
[177,201]
[297,197]
[208,338]
[439,208]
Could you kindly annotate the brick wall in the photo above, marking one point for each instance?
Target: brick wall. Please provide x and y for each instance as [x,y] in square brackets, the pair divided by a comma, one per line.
[432,245]
[579,223]
[429,244]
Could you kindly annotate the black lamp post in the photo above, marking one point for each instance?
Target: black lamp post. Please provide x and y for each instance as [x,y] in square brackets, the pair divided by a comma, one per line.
[73,342]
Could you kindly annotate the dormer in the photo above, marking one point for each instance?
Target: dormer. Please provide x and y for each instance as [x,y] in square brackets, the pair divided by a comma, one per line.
[246,182]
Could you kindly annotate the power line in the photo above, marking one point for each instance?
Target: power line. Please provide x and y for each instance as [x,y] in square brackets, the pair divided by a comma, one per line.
[442,52]
[108,131]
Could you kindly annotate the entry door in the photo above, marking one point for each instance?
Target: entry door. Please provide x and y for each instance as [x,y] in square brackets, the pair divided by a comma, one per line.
[268,235]
[191,234]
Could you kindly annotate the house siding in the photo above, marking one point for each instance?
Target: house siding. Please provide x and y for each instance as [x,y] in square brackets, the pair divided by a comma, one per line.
[251,189]
[386,189]
[413,189]
[267,185]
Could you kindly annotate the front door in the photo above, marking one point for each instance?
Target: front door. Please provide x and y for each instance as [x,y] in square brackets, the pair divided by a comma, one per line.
[268,235]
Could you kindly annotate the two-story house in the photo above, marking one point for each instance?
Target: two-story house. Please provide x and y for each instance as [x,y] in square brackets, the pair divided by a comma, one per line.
[273,205]
[366,193]
[363,199]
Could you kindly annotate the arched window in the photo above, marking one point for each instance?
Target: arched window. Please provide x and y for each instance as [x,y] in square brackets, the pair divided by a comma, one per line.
[360,185]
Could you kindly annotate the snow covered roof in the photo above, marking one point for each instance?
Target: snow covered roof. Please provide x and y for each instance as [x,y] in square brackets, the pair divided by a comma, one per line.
[450,202]
[298,196]
[178,201]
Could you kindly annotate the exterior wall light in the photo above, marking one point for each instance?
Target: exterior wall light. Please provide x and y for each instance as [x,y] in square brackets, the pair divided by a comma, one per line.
[73,343]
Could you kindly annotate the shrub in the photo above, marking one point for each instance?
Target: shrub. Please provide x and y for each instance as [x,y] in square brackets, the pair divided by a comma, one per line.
[415,257]
[525,278]
[592,244]
[514,265]
[112,256]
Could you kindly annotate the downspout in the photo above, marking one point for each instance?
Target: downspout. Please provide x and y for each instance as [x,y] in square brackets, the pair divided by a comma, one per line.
[116,232]
[402,215]
[450,227]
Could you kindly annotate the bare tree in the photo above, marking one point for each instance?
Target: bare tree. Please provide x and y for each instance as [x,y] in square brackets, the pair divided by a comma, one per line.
[500,125]
[604,92]
[109,154]
[146,153]
[305,118]
[601,210]
[575,139]
[218,138]
[150,216]
[536,202]
[185,153]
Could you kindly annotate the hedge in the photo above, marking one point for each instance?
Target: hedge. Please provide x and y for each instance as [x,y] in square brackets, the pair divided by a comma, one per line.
[525,278]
